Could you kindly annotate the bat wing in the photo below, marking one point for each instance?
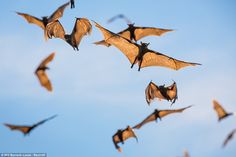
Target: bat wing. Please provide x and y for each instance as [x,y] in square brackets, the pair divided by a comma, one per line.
[32,19]
[172,92]
[46,60]
[128,133]
[150,118]
[116,140]
[221,113]
[58,13]
[129,49]
[152,58]
[141,32]
[229,137]
[43,79]
[119,16]
[102,42]
[24,129]
[43,121]
[164,113]
[82,27]
[152,91]
[55,29]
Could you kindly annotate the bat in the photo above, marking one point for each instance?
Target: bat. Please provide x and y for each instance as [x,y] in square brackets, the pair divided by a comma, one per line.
[72,4]
[221,113]
[158,114]
[122,135]
[42,76]
[229,137]
[161,92]
[121,16]
[27,129]
[45,19]
[82,27]
[140,54]
[135,33]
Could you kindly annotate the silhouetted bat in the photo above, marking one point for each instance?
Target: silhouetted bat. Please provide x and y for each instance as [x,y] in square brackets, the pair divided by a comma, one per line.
[121,16]
[140,54]
[27,129]
[72,4]
[81,28]
[45,20]
[40,72]
[158,114]
[161,92]
[229,137]
[122,135]
[136,33]
[221,113]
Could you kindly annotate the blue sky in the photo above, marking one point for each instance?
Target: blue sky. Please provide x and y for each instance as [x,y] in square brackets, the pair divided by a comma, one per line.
[96,92]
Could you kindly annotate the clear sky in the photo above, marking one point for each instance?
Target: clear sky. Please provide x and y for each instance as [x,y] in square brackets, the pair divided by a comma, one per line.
[96,92]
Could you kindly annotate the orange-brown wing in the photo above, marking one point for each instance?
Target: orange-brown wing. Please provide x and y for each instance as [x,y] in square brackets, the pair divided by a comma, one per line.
[152,91]
[164,113]
[43,79]
[172,92]
[58,13]
[229,137]
[82,27]
[125,34]
[152,58]
[23,129]
[128,133]
[46,60]
[150,118]
[55,29]
[141,32]
[129,49]
[102,42]
[32,19]
[116,140]
[221,113]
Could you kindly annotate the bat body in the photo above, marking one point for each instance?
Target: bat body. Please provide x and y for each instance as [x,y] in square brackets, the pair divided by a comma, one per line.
[27,129]
[221,113]
[140,54]
[121,16]
[229,137]
[45,20]
[122,135]
[72,4]
[40,72]
[135,33]
[82,27]
[158,114]
[161,92]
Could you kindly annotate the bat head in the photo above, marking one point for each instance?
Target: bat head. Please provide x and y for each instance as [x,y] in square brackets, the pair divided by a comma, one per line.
[131,25]
[144,44]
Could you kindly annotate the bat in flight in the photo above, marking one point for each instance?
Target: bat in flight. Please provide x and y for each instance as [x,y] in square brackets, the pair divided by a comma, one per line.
[120,16]
[27,129]
[72,4]
[229,137]
[81,28]
[45,19]
[136,33]
[161,92]
[41,74]
[140,54]
[158,114]
[221,113]
[122,135]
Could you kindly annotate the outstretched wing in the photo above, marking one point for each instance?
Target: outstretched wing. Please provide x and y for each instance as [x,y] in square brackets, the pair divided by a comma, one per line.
[58,13]
[42,76]
[221,113]
[129,49]
[32,19]
[163,113]
[128,133]
[102,42]
[229,137]
[141,32]
[24,129]
[150,118]
[55,29]
[152,58]
[82,27]
[152,91]
[43,121]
